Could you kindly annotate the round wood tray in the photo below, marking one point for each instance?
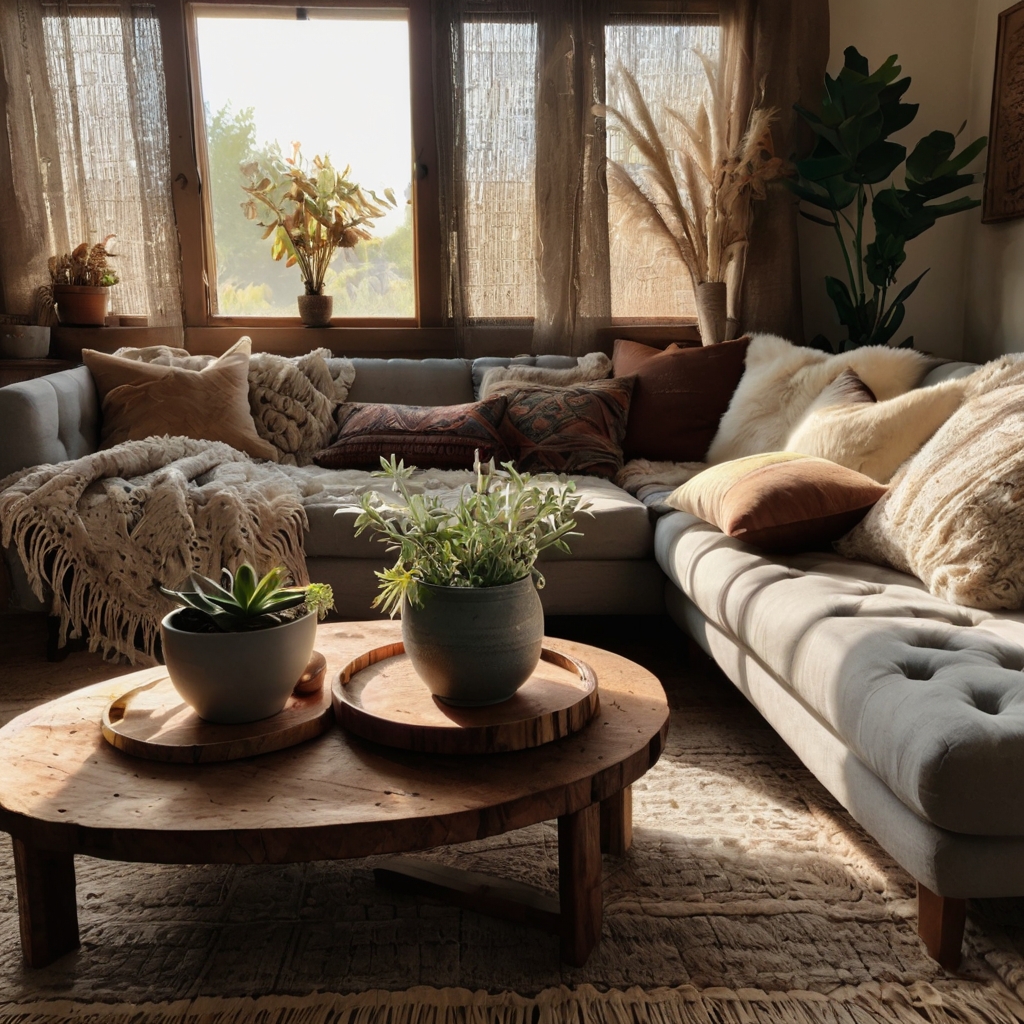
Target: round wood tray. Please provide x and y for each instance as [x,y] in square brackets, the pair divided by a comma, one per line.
[379,697]
[153,722]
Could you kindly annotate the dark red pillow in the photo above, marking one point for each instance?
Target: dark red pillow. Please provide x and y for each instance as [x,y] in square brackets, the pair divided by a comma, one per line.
[431,437]
[679,396]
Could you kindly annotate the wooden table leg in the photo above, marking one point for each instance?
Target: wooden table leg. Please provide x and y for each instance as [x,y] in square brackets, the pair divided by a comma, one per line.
[579,882]
[47,908]
[617,822]
[940,923]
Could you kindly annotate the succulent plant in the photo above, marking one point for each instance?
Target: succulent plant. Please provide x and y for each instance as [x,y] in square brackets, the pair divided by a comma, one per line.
[245,602]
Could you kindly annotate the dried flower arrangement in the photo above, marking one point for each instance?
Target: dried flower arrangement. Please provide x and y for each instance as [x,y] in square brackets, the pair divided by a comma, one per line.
[85,265]
[311,211]
[697,184]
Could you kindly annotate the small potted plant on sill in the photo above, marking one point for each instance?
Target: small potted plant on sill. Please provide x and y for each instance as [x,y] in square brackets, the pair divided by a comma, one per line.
[311,212]
[466,578]
[80,283]
[235,652]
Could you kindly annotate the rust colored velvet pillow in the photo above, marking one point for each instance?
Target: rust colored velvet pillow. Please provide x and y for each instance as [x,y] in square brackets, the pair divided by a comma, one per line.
[577,429]
[680,395]
[779,501]
[428,436]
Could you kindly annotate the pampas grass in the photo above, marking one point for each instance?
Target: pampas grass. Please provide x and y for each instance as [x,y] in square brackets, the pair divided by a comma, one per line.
[697,185]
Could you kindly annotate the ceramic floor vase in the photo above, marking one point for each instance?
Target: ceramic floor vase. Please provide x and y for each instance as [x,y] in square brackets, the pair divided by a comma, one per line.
[230,678]
[315,310]
[474,646]
[81,305]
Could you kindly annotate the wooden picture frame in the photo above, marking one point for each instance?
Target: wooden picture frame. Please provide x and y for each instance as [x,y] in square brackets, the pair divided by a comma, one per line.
[1004,177]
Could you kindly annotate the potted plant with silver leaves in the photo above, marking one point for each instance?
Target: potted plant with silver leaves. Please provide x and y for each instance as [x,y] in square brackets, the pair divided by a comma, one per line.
[235,652]
[466,578]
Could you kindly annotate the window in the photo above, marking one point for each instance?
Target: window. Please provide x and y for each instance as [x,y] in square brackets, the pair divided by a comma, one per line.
[336,80]
[648,281]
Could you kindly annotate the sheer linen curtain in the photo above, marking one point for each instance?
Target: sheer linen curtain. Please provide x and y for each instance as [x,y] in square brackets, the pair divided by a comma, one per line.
[531,234]
[87,151]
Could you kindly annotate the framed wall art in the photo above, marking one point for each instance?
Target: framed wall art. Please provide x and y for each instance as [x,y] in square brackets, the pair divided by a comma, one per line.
[1004,177]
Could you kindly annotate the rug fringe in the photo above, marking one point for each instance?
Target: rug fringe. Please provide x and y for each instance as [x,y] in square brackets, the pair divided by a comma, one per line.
[870,1003]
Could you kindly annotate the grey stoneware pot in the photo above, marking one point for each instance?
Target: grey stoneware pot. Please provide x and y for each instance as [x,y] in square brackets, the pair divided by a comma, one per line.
[231,678]
[474,645]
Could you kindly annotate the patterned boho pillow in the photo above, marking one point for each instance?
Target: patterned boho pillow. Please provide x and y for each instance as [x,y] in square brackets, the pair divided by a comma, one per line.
[576,429]
[431,437]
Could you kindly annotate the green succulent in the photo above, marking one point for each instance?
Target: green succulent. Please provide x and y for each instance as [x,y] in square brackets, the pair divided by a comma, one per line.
[245,602]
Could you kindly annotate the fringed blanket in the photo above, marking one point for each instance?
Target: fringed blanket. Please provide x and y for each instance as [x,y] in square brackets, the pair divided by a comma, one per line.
[101,531]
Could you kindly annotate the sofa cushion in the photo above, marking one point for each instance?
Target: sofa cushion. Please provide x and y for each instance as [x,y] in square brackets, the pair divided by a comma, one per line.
[432,436]
[577,429]
[779,501]
[930,696]
[412,381]
[484,363]
[679,398]
[619,528]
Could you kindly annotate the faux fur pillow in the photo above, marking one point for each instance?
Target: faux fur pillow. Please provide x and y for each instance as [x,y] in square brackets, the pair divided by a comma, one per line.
[782,380]
[292,400]
[954,515]
[876,438]
[592,366]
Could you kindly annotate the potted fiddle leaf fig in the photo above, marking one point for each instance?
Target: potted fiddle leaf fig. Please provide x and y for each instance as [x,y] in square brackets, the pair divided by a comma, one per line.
[80,283]
[234,652]
[311,211]
[848,175]
[466,578]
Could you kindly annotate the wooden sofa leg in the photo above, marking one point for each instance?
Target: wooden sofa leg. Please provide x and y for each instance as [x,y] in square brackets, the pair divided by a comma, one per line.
[940,924]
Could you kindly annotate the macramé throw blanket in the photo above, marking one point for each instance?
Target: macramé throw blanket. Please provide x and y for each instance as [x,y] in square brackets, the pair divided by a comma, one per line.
[103,530]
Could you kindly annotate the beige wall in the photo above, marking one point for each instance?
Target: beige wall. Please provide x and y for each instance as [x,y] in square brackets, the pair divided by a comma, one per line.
[994,256]
[935,41]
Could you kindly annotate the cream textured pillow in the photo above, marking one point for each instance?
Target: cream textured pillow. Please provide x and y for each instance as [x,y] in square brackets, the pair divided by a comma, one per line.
[292,400]
[592,366]
[954,515]
[875,438]
[142,400]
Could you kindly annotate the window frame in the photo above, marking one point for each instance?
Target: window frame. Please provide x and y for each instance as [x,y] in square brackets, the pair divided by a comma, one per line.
[188,158]
[423,335]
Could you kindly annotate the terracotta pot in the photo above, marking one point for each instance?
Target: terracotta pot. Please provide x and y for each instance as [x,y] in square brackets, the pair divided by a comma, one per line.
[231,678]
[315,310]
[81,305]
[474,645]
[711,302]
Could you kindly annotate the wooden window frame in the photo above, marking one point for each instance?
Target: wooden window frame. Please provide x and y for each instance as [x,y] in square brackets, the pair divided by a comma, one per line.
[206,331]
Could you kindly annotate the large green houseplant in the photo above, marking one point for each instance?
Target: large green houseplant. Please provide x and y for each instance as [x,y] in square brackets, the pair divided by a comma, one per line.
[466,578]
[845,175]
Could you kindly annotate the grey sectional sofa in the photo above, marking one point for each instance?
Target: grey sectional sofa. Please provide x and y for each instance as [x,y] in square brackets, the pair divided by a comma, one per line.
[908,709]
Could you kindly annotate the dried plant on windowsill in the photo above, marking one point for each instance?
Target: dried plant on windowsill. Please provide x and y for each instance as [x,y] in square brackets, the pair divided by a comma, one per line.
[311,210]
[85,265]
[699,178]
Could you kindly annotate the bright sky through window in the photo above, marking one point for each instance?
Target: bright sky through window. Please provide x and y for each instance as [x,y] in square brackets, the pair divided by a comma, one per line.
[338,85]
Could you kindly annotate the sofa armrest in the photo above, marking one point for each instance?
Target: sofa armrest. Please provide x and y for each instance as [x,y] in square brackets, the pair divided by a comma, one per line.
[49,419]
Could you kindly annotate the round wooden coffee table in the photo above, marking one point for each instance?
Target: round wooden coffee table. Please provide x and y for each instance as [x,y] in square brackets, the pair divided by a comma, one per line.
[64,791]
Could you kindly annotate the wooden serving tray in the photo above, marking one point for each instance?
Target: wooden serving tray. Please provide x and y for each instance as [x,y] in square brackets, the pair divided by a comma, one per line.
[153,722]
[380,697]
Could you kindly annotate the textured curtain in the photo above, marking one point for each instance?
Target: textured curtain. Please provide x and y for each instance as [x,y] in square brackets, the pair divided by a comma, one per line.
[87,151]
[532,235]
[776,53]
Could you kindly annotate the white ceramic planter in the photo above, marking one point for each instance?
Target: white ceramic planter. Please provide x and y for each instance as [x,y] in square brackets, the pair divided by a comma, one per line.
[230,678]
[474,646]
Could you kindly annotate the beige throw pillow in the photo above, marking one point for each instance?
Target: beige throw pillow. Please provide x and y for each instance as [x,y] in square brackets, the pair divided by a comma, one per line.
[142,400]
[954,515]
[875,438]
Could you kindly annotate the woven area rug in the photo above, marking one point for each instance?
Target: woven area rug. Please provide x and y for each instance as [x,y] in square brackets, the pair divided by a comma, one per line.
[748,896]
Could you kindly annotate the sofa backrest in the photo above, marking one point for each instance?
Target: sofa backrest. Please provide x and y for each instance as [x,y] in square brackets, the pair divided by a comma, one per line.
[49,419]
[412,381]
